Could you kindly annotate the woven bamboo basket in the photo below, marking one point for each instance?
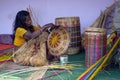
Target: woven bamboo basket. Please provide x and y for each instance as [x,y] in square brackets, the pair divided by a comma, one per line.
[58,41]
[95,45]
[72,24]
[32,52]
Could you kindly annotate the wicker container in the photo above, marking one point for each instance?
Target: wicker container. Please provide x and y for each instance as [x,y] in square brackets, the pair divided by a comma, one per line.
[95,48]
[73,26]
[58,41]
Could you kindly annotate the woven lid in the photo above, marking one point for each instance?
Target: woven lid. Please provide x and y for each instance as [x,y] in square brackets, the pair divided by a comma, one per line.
[58,41]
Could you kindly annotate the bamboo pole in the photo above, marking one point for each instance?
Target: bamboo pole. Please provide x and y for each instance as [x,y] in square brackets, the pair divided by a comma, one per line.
[33,16]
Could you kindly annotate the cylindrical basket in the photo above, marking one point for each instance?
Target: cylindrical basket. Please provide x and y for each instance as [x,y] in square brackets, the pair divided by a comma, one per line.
[73,26]
[95,48]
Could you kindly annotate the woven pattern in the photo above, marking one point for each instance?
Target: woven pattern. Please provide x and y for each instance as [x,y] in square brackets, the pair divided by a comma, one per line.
[73,26]
[58,41]
[95,46]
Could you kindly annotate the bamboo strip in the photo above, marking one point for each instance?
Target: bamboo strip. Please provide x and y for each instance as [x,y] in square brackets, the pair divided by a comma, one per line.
[110,39]
[13,72]
[37,74]
[96,23]
[100,21]
[91,72]
[89,69]
[54,74]
[107,12]
[33,17]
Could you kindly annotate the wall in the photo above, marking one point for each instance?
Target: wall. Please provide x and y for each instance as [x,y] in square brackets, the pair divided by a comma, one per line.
[46,11]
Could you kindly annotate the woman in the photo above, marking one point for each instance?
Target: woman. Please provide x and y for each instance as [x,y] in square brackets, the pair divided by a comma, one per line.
[23,32]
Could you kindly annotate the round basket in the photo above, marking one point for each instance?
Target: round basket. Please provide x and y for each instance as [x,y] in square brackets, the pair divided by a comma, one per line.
[58,41]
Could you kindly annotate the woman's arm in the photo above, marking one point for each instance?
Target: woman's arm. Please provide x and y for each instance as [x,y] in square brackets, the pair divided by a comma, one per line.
[28,35]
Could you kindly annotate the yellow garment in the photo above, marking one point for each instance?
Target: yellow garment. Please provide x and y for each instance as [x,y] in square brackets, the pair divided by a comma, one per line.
[19,39]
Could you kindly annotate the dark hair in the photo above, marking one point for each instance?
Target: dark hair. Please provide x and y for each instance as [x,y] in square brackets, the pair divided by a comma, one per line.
[20,21]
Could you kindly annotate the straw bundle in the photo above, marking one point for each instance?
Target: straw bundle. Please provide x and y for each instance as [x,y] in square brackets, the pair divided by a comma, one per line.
[106,19]
[103,18]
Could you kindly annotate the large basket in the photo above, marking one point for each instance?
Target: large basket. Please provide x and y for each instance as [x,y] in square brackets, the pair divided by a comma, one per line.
[58,41]
[72,25]
[95,47]
[32,52]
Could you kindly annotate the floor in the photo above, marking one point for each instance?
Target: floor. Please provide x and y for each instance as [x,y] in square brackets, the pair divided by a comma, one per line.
[77,62]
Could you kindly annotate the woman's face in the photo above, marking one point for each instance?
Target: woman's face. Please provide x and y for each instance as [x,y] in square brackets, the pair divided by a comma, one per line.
[28,21]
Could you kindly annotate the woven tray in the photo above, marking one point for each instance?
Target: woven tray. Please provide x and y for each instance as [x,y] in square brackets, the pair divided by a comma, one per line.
[58,41]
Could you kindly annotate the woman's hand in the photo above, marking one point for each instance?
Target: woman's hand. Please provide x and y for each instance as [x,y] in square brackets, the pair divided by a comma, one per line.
[49,27]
